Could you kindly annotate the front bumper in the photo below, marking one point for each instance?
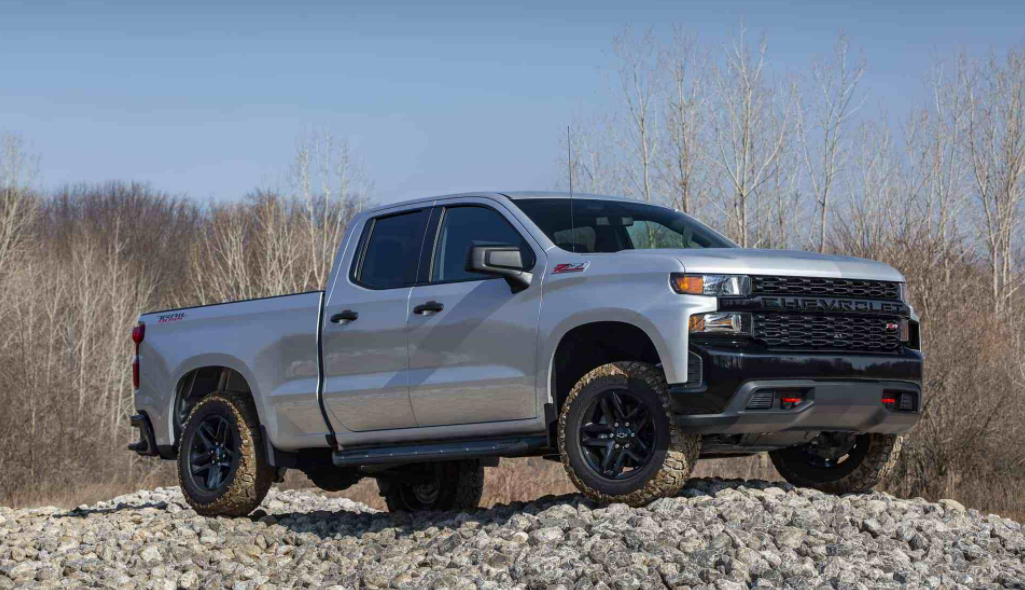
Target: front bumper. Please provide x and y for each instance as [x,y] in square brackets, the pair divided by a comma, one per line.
[839,391]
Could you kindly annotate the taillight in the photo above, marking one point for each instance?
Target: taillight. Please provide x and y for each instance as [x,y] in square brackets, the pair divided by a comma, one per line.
[138,335]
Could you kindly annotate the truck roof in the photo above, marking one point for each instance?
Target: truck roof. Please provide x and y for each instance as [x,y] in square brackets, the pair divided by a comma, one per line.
[515,196]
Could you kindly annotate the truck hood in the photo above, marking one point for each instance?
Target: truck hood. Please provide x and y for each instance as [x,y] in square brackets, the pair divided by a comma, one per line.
[784,263]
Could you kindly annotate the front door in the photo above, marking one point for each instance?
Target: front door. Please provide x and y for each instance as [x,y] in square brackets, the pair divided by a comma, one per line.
[364,326]
[472,341]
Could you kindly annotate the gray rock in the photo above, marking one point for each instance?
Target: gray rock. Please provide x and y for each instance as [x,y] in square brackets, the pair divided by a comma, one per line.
[546,535]
[151,555]
[951,505]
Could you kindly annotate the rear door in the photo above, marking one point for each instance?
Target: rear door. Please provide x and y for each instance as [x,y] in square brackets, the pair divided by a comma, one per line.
[366,363]
[472,341]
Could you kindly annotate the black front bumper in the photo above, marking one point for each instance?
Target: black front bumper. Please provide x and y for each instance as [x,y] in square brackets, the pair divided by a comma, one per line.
[839,391]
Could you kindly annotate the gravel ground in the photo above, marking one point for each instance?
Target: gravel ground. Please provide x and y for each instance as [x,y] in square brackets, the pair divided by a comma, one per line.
[718,534]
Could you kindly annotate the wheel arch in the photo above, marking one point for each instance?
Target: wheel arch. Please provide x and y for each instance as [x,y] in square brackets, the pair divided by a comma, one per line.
[201,376]
[583,346]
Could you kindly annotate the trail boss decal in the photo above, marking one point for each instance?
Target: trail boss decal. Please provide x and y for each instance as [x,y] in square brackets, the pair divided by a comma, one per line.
[570,267]
[170,317]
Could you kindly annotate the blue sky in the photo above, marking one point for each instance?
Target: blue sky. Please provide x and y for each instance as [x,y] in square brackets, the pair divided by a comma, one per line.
[208,98]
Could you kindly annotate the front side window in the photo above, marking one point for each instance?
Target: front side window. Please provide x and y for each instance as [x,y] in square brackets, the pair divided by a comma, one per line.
[610,226]
[463,228]
[392,251]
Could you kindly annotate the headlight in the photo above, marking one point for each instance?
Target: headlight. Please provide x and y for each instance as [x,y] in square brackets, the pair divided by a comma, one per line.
[719,323]
[719,285]
[903,290]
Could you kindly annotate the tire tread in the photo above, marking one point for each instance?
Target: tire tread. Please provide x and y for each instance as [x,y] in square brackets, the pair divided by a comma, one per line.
[883,452]
[254,475]
[681,456]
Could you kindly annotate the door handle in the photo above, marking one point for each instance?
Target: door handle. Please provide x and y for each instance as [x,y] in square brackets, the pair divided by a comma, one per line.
[346,316]
[429,307]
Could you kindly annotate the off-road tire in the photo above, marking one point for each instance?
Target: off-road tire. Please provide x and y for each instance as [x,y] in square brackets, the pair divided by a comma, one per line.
[251,475]
[868,465]
[334,479]
[461,488]
[675,452]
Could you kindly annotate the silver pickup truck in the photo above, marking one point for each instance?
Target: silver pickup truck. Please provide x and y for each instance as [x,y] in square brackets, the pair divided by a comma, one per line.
[624,339]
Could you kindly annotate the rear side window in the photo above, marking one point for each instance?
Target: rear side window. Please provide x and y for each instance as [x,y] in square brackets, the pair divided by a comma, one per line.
[392,251]
[463,228]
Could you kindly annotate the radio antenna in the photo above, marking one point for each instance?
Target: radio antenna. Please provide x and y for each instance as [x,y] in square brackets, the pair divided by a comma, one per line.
[569,167]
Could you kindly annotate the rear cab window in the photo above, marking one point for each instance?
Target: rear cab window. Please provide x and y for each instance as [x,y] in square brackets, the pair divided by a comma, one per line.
[390,250]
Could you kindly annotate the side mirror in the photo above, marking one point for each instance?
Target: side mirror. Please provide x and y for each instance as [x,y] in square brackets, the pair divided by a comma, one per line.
[500,261]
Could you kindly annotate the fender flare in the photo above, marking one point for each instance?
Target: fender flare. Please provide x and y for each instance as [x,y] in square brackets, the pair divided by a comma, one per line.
[554,339]
[214,360]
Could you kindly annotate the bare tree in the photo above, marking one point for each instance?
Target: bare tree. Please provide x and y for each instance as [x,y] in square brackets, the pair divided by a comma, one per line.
[681,167]
[639,80]
[751,123]
[593,164]
[995,94]
[332,187]
[836,81]
[17,204]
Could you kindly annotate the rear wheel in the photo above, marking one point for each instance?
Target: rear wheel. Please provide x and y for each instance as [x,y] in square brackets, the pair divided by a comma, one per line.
[452,485]
[222,468]
[839,463]
[618,438]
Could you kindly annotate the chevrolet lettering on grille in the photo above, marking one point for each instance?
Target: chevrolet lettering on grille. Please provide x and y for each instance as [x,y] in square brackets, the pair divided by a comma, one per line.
[831,305]
[814,304]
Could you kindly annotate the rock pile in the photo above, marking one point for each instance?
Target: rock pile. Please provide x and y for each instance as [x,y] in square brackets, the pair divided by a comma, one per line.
[717,534]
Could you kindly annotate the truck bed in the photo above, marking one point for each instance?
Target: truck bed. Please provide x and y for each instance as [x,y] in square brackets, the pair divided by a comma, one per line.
[272,342]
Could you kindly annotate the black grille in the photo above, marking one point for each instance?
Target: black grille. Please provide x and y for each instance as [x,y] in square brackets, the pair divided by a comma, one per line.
[853,288]
[862,333]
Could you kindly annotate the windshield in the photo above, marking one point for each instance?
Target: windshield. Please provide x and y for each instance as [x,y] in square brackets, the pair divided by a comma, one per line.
[611,226]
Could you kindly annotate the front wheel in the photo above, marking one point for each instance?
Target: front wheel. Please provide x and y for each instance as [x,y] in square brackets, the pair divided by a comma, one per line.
[222,467]
[618,438]
[451,485]
[839,463]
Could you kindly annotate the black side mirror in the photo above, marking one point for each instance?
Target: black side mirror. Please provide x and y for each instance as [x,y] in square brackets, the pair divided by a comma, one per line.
[500,261]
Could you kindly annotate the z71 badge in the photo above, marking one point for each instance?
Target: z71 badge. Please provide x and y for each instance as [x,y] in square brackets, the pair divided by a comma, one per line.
[570,267]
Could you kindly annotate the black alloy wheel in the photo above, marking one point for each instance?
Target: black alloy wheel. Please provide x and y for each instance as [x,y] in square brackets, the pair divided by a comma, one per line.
[449,485]
[618,436]
[422,495]
[222,462]
[213,454]
[839,462]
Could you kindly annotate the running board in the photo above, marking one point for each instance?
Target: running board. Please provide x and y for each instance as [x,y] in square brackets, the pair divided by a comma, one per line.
[439,451]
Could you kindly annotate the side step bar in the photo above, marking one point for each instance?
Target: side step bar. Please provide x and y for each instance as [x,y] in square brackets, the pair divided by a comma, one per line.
[439,451]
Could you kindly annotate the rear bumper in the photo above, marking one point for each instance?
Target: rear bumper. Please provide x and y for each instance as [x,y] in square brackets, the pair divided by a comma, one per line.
[839,392]
[147,445]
